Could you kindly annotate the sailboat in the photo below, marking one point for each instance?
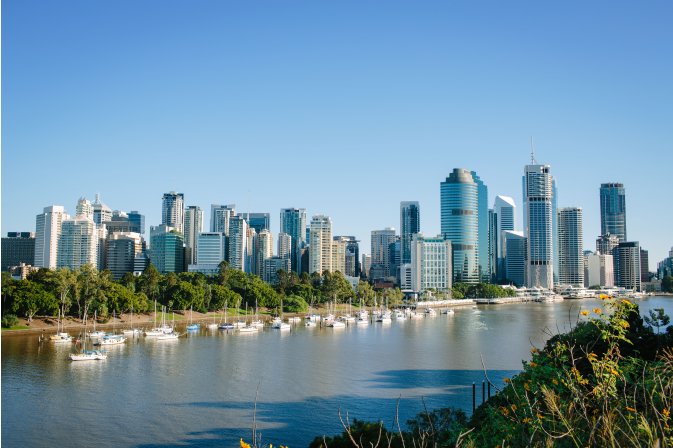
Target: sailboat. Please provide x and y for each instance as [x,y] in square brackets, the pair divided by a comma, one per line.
[111,338]
[192,326]
[247,328]
[213,325]
[95,334]
[60,337]
[87,355]
[256,322]
[225,325]
[169,335]
[133,332]
[278,323]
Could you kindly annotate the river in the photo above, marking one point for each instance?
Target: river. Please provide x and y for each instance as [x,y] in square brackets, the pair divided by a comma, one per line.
[201,389]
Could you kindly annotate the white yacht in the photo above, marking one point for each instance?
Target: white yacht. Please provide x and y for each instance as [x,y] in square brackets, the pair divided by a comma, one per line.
[88,355]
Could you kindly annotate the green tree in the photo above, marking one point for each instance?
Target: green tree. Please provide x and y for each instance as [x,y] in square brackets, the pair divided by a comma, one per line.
[366,293]
[667,284]
[31,297]
[88,288]
[294,304]
[65,282]
[150,281]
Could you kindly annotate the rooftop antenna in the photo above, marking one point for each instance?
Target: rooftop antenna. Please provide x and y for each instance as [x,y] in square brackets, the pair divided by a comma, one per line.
[532,152]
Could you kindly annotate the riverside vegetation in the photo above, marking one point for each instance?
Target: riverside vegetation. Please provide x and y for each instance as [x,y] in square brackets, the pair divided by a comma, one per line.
[81,292]
[608,382]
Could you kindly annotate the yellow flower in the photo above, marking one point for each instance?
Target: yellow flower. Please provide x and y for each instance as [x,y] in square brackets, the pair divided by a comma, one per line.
[614,372]
[630,409]
[554,381]
[603,296]
[584,313]
[666,413]
[513,408]
[504,410]
[540,416]
[526,420]
[598,310]
[244,445]
[507,380]
[526,386]
[534,350]
[624,324]
[626,302]
[532,364]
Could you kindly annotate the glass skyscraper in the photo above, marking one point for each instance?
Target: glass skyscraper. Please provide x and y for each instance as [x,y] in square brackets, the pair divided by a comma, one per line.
[293,223]
[460,223]
[482,223]
[613,210]
[571,247]
[505,211]
[410,224]
[538,222]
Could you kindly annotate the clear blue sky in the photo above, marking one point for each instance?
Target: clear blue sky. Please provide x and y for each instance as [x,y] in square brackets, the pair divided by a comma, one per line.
[344,108]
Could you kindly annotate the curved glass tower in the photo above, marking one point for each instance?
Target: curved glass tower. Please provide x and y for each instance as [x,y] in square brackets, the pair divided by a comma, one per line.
[613,210]
[460,223]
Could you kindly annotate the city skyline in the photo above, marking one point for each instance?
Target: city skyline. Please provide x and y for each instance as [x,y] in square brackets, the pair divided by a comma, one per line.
[395,96]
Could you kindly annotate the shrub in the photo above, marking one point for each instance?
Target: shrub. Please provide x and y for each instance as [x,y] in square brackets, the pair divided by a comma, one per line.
[9,320]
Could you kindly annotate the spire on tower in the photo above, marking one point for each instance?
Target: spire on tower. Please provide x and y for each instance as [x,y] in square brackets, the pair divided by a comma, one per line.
[532,152]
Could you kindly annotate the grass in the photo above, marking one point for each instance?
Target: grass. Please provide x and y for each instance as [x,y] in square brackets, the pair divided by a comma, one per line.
[17,327]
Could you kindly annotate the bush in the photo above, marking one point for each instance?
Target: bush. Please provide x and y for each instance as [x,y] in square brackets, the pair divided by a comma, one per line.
[9,320]
[294,304]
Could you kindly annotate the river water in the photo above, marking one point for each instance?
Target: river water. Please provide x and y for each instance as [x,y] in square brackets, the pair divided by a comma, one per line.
[201,389]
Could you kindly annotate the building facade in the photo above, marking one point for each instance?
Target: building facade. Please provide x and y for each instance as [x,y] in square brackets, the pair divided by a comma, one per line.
[539,227]
[166,249]
[258,221]
[47,233]
[571,246]
[431,264]
[17,248]
[410,225]
[627,265]
[599,270]
[193,227]
[482,224]
[293,223]
[320,244]
[78,244]
[381,262]
[237,243]
[122,248]
[515,253]
[173,211]
[504,208]
[460,223]
[613,210]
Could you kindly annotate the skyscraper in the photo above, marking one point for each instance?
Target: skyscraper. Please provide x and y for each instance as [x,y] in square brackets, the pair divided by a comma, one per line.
[47,233]
[606,243]
[482,223]
[613,210]
[17,248]
[237,243]
[173,211]
[627,265]
[220,216]
[137,222]
[571,245]
[101,212]
[538,222]
[263,250]
[505,211]
[460,223]
[284,246]
[514,253]
[293,222]
[166,249]
[258,221]
[78,244]
[380,247]
[339,245]
[320,245]
[410,224]
[193,226]
[122,248]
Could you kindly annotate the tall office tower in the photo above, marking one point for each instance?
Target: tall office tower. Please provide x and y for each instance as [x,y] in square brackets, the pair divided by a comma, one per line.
[410,224]
[17,248]
[366,265]
[598,270]
[380,245]
[166,249]
[538,222]
[395,257]
[627,265]
[554,227]
[644,266]
[47,232]
[406,277]
[339,245]
[493,239]
[665,266]
[101,212]
[237,243]
[431,264]
[606,243]
[251,251]
[514,253]
[505,210]
[284,245]
[258,221]
[613,210]
[271,267]
[352,256]
[571,245]
[173,211]
[320,244]
[220,217]
[460,223]
[211,248]
[263,250]
[78,244]
[293,222]
[137,222]
[482,223]
[122,248]
[193,226]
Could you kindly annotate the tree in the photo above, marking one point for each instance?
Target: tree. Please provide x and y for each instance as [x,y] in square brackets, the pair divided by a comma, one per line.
[294,304]
[667,284]
[65,287]
[366,293]
[31,297]
[657,318]
[149,282]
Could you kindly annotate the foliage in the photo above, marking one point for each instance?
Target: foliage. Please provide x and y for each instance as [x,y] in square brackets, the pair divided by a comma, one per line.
[294,304]
[9,320]
[667,284]
[480,291]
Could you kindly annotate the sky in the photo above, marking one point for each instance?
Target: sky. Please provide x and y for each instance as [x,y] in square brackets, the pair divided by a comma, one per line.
[343,108]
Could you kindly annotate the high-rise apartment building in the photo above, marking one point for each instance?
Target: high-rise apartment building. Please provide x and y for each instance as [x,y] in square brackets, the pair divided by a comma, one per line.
[137,222]
[220,215]
[644,266]
[237,243]
[78,244]
[366,265]
[193,227]
[613,210]
[271,267]
[47,233]
[571,246]
[263,250]
[627,265]
[539,225]
[284,245]
[352,256]
[514,253]
[460,223]
[410,224]
[17,248]
[122,248]
[101,212]
[381,262]
[320,245]
[293,223]
[166,249]
[339,245]
[431,264]
[173,211]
